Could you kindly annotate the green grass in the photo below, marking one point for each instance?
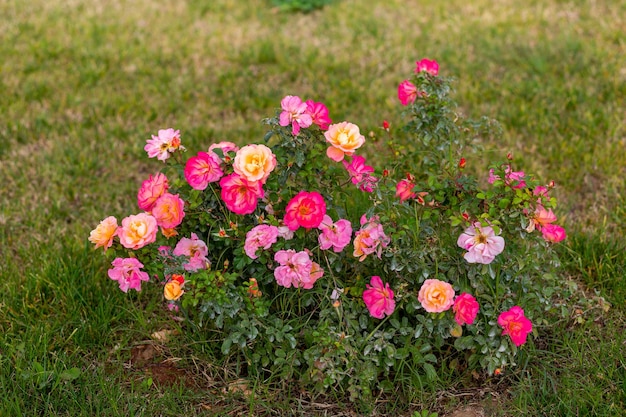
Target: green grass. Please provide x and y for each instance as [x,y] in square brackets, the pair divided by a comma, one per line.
[83,86]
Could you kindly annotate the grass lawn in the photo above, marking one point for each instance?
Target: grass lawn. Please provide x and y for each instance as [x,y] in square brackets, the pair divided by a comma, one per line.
[84,84]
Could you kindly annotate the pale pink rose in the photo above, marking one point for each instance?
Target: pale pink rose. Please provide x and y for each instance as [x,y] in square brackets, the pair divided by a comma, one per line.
[261,236]
[239,195]
[285,232]
[436,296]
[103,234]
[294,113]
[169,211]
[404,189]
[481,243]
[127,272]
[515,324]
[319,114]
[137,231]
[370,239]
[202,169]
[360,174]
[295,269]
[465,309]
[164,144]
[151,189]
[407,92]
[427,65]
[553,233]
[306,210]
[196,250]
[254,163]
[345,138]
[337,235]
[378,298]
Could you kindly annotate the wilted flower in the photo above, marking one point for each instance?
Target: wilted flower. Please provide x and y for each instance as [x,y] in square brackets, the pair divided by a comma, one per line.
[164,144]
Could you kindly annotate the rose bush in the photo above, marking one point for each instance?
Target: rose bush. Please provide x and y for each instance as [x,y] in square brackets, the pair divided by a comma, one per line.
[314,265]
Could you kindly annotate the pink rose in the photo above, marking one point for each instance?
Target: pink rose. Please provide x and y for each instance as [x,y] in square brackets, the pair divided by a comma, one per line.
[319,114]
[407,92]
[294,113]
[378,298]
[553,233]
[127,272]
[436,296]
[360,174]
[151,189]
[103,234]
[239,195]
[306,210]
[515,324]
[202,169]
[164,144]
[261,236]
[427,65]
[137,231]
[196,250]
[337,235]
[297,269]
[481,243]
[404,190]
[169,211]
[465,309]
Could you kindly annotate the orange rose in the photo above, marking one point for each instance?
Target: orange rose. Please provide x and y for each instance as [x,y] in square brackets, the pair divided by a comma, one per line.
[173,290]
[103,234]
[436,296]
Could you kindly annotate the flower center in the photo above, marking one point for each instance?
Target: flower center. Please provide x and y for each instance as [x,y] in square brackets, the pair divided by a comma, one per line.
[480,238]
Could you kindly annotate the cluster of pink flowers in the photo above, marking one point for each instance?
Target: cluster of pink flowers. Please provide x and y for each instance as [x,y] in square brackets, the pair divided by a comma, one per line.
[296,269]
[301,114]
[407,91]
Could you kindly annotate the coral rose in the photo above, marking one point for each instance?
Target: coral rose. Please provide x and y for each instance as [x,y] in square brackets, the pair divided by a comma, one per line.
[436,296]
[169,211]
[151,189]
